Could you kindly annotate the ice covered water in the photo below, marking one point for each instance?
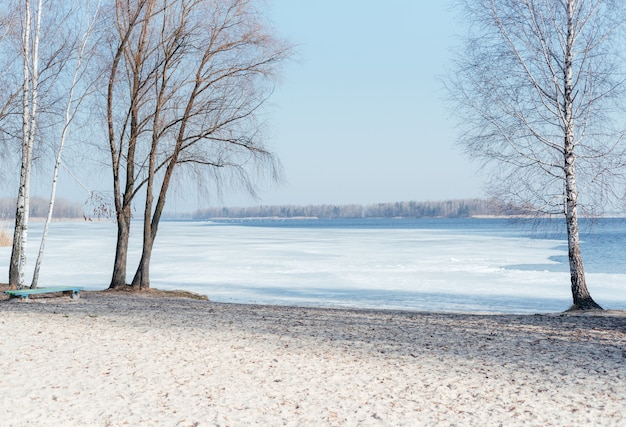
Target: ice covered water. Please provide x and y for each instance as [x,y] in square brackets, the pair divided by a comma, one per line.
[399,268]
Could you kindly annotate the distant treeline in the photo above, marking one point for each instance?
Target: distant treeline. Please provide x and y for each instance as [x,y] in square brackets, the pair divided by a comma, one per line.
[445,209]
[39,208]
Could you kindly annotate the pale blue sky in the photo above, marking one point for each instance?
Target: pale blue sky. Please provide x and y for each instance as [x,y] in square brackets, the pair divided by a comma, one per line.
[359,117]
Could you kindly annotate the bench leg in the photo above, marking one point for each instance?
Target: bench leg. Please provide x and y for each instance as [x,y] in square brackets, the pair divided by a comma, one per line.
[74,294]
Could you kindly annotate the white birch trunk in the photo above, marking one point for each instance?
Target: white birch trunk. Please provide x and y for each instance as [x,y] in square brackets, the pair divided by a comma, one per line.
[70,112]
[30,55]
[30,142]
[580,294]
[15,270]
[42,246]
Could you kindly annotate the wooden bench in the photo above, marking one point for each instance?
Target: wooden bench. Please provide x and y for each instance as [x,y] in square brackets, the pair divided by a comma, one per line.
[73,291]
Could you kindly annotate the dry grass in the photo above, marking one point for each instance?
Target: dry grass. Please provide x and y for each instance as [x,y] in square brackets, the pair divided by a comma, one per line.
[5,238]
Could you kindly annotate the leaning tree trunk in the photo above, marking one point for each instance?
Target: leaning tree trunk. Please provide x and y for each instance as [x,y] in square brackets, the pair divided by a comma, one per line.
[118,279]
[70,112]
[122,203]
[152,219]
[141,280]
[580,294]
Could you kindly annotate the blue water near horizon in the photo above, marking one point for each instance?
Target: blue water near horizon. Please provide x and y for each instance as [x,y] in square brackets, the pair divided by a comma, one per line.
[386,299]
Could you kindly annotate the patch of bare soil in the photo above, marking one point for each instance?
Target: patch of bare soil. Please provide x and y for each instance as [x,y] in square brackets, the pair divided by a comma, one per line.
[151,292]
[155,293]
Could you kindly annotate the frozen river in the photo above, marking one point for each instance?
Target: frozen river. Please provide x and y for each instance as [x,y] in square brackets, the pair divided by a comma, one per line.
[462,265]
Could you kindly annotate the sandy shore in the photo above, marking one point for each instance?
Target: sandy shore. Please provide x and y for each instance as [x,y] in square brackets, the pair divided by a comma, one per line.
[119,360]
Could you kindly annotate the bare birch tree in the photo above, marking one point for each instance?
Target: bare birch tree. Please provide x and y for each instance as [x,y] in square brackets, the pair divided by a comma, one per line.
[31,30]
[197,73]
[42,53]
[538,85]
[79,88]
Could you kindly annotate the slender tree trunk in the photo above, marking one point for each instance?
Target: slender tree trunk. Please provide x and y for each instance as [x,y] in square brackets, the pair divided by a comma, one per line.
[152,220]
[21,221]
[69,115]
[118,279]
[141,281]
[122,202]
[124,215]
[46,226]
[14,266]
[580,295]
[30,56]
[135,61]
[581,298]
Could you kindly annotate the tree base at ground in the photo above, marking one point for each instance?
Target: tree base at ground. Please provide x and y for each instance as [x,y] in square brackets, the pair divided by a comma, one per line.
[585,304]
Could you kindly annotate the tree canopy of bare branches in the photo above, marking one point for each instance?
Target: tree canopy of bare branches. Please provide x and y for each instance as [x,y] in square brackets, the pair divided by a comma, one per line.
[186,82]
